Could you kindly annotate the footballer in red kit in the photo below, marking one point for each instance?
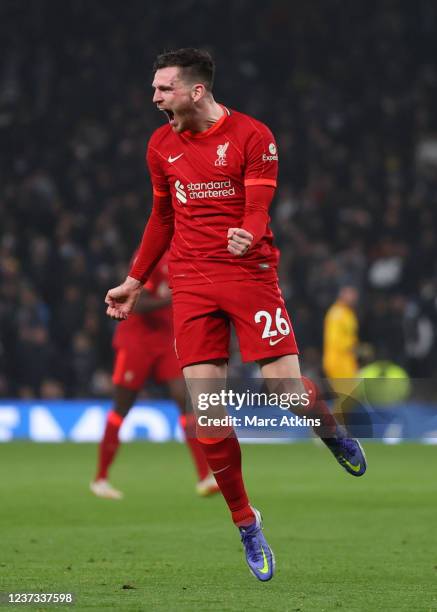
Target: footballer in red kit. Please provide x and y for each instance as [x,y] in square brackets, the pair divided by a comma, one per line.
[144,350]
[214,175]
[208,177]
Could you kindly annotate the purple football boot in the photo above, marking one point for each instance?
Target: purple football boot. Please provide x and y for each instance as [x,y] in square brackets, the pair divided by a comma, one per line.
[259,555]
[348,452]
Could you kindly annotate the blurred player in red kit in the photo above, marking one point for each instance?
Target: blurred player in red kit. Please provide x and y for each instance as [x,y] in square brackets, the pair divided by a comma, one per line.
[144,346]
[214,174]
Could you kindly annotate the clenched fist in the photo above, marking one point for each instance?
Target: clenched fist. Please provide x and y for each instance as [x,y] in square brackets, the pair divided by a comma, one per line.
[121,300]
[239,241]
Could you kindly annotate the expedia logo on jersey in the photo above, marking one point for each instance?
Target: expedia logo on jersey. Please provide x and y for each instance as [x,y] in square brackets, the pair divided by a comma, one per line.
[273,153]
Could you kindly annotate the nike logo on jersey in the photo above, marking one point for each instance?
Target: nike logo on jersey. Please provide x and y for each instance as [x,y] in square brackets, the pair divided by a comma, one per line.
[273,342]
[173,159]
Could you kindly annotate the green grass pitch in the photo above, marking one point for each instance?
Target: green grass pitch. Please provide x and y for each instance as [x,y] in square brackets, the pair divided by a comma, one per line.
[365,544]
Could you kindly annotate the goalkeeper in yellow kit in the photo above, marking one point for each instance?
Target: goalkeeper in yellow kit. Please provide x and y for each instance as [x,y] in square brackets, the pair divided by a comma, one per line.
[340,338]
[340,343]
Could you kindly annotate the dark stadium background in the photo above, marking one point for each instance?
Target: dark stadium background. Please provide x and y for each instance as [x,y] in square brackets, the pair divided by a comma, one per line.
[350,91]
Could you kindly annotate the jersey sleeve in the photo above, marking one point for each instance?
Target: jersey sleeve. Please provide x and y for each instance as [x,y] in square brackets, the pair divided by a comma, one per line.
[158,276]
[160,226]
[261,157]
[156,238]
[154,162]
[256,212]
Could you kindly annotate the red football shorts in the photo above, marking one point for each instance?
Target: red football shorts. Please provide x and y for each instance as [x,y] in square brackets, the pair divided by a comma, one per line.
[139,362]
[203,315]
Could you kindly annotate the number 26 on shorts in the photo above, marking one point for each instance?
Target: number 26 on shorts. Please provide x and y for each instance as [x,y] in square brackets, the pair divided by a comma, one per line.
[281,323]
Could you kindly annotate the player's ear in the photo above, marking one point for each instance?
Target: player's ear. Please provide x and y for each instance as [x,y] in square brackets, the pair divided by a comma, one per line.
[198,92]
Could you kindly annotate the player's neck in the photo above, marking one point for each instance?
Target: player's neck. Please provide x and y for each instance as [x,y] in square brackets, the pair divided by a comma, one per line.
[210,113]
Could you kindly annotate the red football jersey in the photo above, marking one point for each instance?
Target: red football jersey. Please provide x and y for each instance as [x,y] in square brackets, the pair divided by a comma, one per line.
[140,327]
[206,174]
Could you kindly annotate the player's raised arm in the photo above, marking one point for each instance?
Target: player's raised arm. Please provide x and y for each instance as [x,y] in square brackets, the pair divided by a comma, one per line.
[256,218]
[156,239]
[160,227]
[260,184]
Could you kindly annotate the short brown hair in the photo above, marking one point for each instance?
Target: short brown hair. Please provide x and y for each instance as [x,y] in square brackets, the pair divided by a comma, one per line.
[197,64]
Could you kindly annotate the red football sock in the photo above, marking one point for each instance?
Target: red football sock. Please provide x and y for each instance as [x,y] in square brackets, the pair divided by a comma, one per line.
[109,444]
[188,424]
[224,459]
[318,409]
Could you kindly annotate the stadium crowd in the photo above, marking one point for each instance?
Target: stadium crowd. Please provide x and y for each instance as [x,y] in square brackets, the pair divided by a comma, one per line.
[349,92]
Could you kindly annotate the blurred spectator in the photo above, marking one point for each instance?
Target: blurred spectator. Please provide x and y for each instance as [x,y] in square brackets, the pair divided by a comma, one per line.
[35,359]
[51,389]
[83,363]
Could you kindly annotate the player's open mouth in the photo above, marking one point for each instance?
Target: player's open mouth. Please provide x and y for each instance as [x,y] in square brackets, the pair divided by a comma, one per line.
[170,115]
